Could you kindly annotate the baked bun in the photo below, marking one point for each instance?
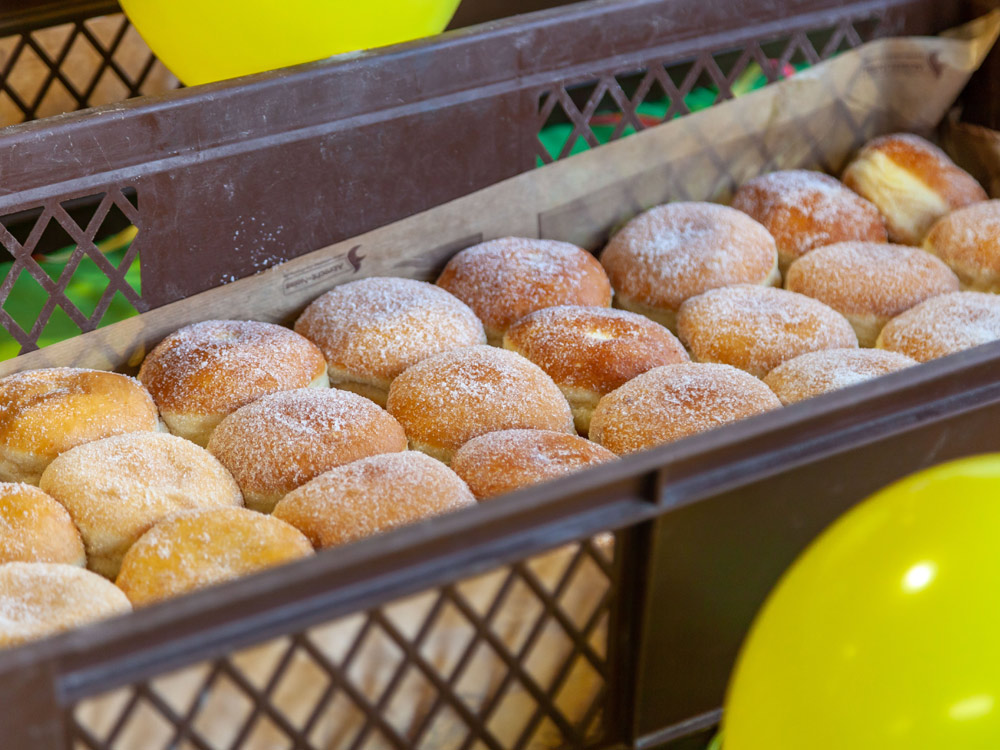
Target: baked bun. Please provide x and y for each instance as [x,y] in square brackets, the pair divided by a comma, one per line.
[203,372]
[912,182]
[116,489]
[968,240]
[943,325]
[816,373]
[373,329]
[504,280]
[757,328]
[590,351]
[674,252]
[674,401]
[870,283]
[501,462]
[371,496]
[36,528]
[39,599]
[283,440]
[195,549]
[450,398]
[803,210]
[46,412]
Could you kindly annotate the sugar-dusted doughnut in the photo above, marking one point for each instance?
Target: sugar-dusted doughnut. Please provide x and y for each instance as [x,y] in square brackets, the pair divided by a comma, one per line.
[503,280]
[590,351]
[816,373]
[36,528]
[943,325]
[204,371]
[968,240]
[373,329]
[674,252]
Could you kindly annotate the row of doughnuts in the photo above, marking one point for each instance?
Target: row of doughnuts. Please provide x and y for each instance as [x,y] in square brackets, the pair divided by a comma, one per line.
[257,430]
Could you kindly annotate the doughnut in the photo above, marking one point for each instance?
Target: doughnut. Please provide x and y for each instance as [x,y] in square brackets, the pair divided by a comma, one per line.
[912,182]
[869,283]
[675,401]
[371,496]
[115,489]
[590,351]
[968,240]
[46,412]
[677,251]
[816,373]
[504,461]
[198,548]
[504,280]
[39,599]
[803,210]
[450,398]
[203,372]
[36,528]
[283,440]
[756,328]
[373,329]
[943,325]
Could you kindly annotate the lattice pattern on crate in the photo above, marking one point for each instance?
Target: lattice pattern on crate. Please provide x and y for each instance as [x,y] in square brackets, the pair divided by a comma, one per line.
[581,114]
[70,267]
[74,66]
[515,658]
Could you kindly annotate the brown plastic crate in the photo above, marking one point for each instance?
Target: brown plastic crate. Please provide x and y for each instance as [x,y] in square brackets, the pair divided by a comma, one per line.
[704,547]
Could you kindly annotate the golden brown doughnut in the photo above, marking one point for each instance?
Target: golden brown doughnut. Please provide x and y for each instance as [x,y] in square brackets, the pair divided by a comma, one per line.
[504,280]
[203,372]
[912,182]
[282,440]
[448,399]
[968,240]
[674,401]
[116,489]
[373,329]
[816,373]
[195,549]
[869,283]
[371,496]
[46,412]
[36,528]
[39,599]
[756,328]
[674,252]
[501,462]
[943,325]
[803,210]
[590,351]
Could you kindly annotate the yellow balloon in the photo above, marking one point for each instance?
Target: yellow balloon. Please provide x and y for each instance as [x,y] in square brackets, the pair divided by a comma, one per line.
[209,40]
[885,634]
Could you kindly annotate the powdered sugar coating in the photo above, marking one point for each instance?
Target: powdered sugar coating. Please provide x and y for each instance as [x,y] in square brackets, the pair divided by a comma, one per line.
[39,599]
[868,278]
[968,240]
[36,528]
[217,366]
[501,462]
[816,373]
[598,349]
[116,489]
[46,412]
[679,250]
[804,209]
[503,280]
[452,397]
[283,440]
[372,496]
[195,549]
[757,328]
[944,325]
[375,328]
[675,401]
